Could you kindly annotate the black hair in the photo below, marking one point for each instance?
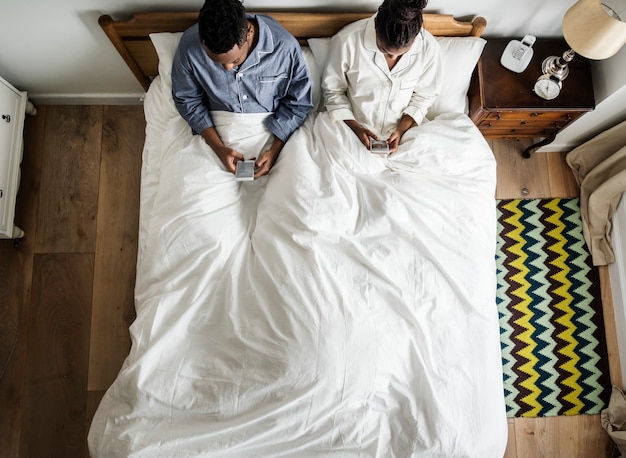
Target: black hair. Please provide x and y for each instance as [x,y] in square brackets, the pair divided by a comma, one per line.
[222,24]
[398,22]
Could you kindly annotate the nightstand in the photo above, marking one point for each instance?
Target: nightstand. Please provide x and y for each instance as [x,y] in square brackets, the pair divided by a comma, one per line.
[14,105]
[503,105]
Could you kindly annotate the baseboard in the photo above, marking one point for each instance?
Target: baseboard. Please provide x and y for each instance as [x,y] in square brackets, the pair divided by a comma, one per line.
[87,99]
[617,272]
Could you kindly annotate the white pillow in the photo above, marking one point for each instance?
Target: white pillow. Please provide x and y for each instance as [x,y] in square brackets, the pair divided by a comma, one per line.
[320,47]
[314,74]
[165,44]
[459,56]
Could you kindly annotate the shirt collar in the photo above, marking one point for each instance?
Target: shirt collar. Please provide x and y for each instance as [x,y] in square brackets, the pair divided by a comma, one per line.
[265,43]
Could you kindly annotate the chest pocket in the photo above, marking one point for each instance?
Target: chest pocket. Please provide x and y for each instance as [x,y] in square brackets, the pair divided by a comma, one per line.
[408,85]
[271,87]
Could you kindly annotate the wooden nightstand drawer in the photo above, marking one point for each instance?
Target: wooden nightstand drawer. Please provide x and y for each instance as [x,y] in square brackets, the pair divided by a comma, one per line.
[524,124]
[503,104]
[514,132]
[537,116]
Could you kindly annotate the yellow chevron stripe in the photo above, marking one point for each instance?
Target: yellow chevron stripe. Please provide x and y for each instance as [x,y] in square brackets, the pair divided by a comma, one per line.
[525,337]
[564,306]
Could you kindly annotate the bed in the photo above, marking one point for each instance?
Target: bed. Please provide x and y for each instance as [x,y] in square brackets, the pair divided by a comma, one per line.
[343,305]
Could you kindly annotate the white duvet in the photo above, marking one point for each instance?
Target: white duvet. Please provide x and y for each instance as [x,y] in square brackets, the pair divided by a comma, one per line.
[344,305]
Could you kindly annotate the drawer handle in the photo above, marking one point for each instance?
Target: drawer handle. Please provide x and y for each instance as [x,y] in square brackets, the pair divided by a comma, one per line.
[1,193]
[498,117]
[534,114]
[7,118]
[523,123]
[489,125]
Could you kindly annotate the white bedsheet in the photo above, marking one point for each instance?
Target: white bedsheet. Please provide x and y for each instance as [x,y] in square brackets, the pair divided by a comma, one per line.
[342,306]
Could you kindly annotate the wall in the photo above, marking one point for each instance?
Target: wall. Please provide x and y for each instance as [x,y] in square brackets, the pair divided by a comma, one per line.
[609,84]
[57,52]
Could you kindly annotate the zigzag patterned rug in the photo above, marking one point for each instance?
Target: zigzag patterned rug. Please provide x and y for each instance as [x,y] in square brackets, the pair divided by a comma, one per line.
[552,331]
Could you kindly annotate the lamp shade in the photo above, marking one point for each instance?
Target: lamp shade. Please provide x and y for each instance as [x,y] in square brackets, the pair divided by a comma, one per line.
[591,31]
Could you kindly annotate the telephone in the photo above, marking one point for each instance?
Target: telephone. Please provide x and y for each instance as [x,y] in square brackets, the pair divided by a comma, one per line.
[517,54]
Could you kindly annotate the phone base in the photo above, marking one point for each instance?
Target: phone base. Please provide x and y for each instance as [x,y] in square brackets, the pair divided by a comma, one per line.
[513,64]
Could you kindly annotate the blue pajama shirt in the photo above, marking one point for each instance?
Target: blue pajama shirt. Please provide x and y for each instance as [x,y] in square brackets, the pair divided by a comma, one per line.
[273,79]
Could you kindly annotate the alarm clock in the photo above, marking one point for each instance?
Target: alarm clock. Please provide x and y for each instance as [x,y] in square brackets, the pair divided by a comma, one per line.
[547,86]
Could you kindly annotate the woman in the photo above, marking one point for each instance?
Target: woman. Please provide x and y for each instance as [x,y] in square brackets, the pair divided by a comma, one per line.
[383,73]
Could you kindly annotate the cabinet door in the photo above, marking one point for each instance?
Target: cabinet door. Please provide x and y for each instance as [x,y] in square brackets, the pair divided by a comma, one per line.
[9,106]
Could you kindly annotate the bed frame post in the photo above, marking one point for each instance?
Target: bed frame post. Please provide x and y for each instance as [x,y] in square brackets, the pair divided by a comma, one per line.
[106,22]
[478,26]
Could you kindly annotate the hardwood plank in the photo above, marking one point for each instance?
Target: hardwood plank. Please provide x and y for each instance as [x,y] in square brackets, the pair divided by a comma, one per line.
[66,222]
[16,268]
[562,181]
[587,433]
[55,385]
[93,400]
[610,329]
[116,246]
[565,436]
[511,448]
[519,178]
[537,437]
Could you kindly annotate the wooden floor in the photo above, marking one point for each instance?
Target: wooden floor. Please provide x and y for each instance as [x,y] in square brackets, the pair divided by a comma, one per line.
[66,293]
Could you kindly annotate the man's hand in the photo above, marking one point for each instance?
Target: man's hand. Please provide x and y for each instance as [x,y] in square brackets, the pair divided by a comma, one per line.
[267,159]
[228,156]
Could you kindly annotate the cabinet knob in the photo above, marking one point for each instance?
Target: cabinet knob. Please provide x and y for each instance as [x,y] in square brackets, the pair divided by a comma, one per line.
[1,193]
[6,117]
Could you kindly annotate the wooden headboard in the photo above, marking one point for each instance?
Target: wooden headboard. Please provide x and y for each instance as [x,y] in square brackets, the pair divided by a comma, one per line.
[132,41]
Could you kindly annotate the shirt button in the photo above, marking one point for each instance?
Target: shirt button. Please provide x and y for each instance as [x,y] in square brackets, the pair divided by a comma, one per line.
[245,97]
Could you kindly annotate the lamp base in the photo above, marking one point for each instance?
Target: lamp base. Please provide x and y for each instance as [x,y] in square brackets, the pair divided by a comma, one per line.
[557,66]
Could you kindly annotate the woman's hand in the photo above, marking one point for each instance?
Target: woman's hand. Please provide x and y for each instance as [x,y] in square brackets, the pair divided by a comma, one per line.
[361,132]
[394,139]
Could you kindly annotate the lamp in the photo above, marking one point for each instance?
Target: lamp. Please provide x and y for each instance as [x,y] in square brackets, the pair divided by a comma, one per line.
[591,29]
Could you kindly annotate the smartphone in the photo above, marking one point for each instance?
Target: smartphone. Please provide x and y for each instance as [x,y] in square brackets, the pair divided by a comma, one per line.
[244,171]
[379,146]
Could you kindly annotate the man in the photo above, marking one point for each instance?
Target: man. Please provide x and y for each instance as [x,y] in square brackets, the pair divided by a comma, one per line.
[233,61]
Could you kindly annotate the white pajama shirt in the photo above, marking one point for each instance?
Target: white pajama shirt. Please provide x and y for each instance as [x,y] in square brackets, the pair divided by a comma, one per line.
[358,84]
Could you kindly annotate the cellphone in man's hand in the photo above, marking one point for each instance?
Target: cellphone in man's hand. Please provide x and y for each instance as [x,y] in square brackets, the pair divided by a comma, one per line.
[244,171]
[379,146]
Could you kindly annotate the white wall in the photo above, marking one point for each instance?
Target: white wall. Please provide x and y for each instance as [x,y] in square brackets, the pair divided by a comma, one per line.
[609,84]
[55,50]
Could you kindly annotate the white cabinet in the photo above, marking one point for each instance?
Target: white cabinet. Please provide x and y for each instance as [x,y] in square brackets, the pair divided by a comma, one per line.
[13,106]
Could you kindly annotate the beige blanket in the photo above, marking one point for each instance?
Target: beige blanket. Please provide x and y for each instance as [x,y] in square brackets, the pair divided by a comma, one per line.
[613,419]
[599,167]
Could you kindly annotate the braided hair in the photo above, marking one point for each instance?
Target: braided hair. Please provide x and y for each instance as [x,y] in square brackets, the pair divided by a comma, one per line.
[398,22]
[222,24]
